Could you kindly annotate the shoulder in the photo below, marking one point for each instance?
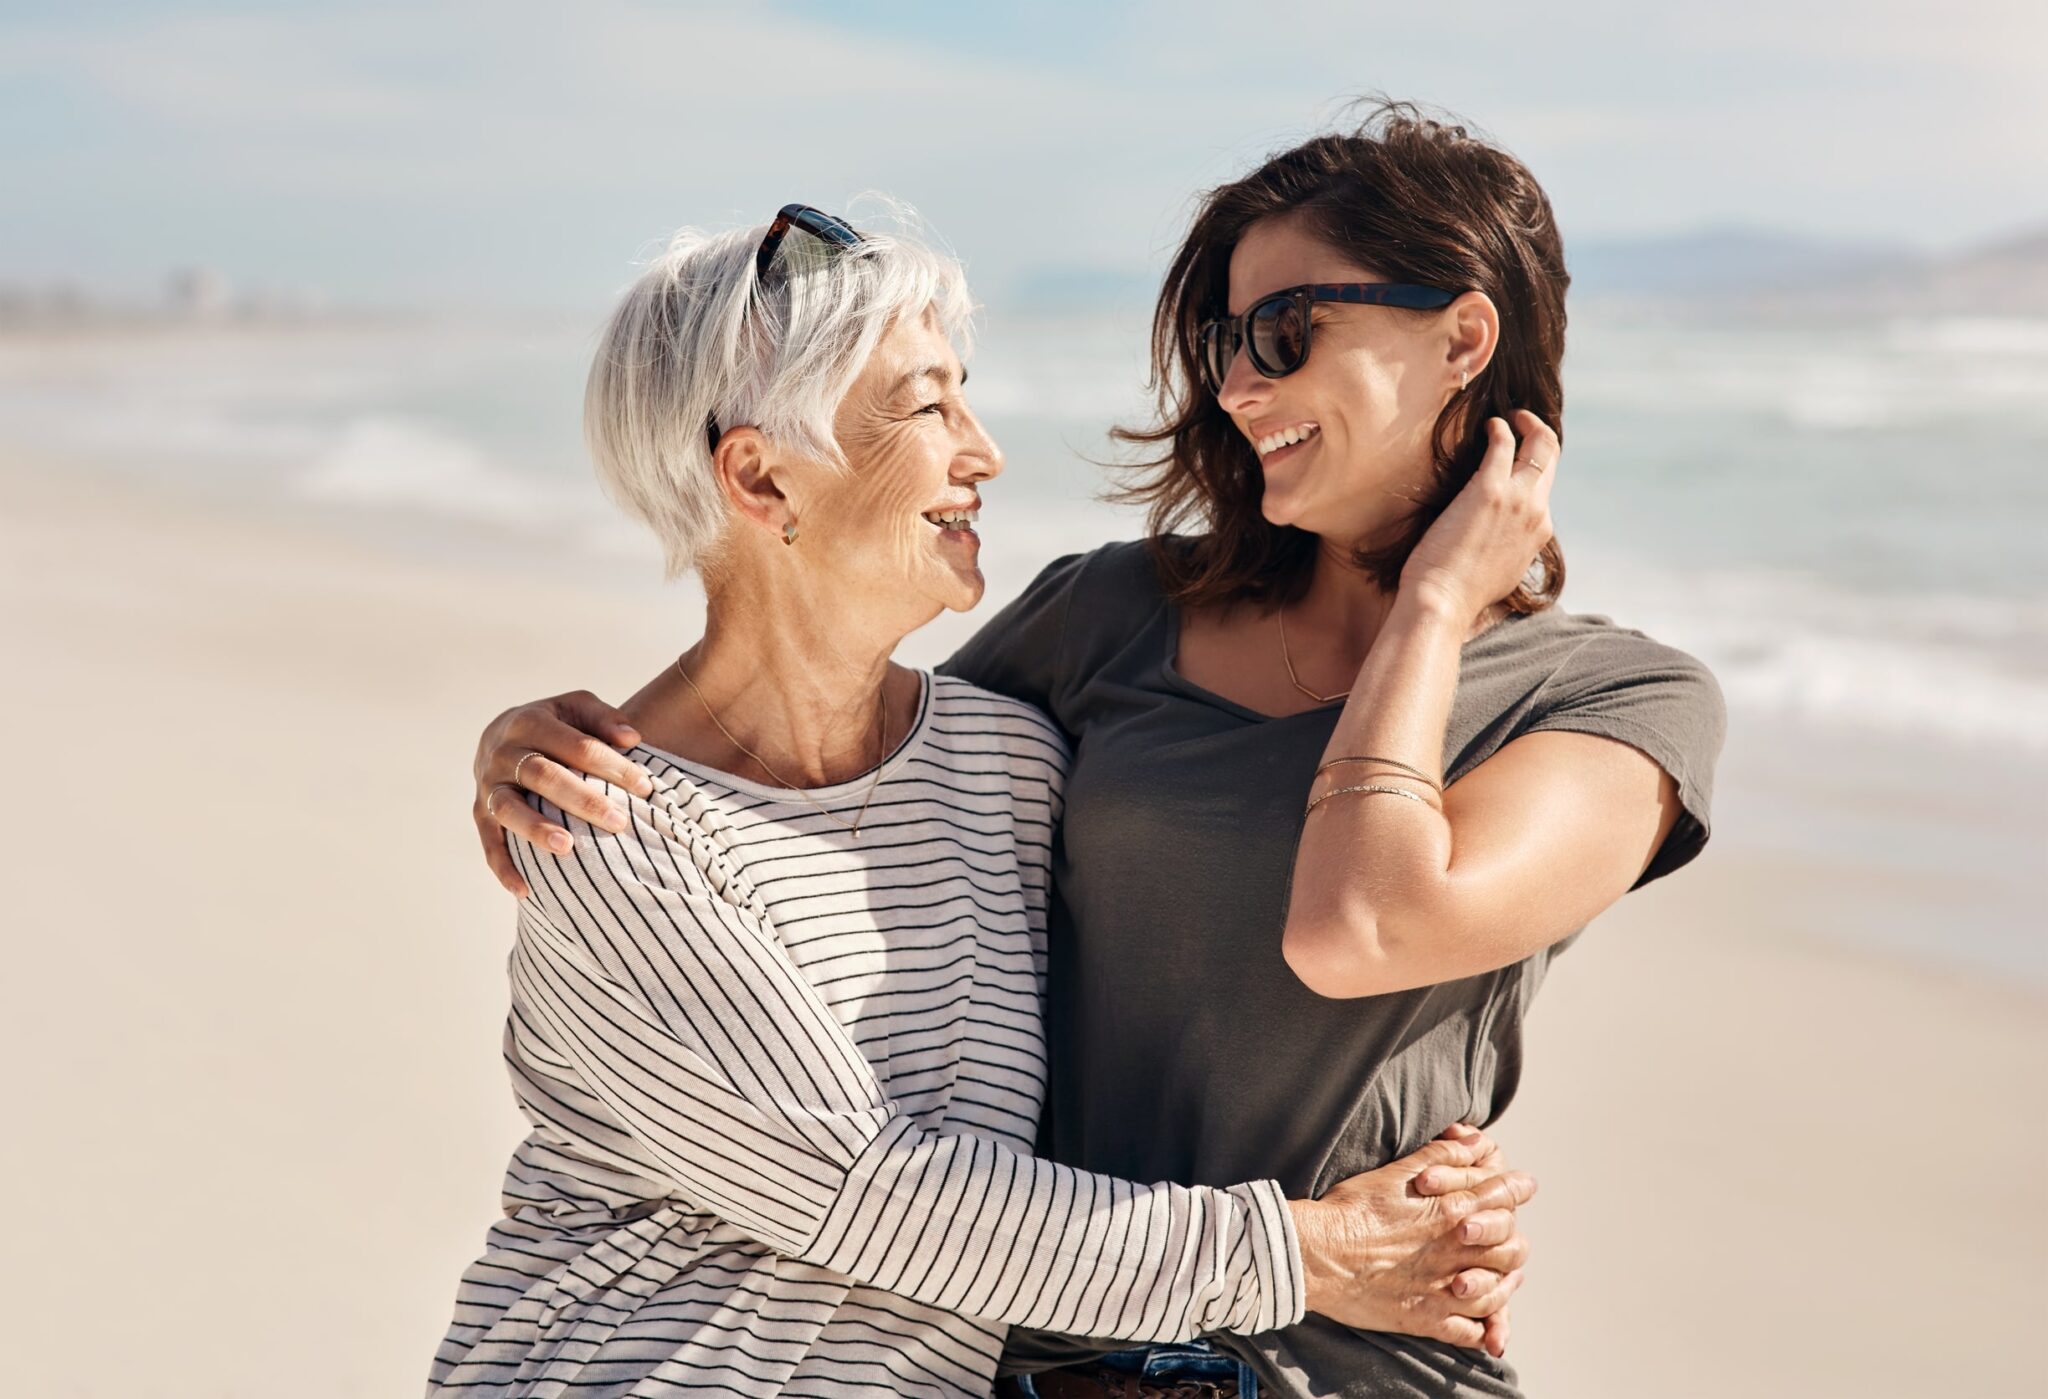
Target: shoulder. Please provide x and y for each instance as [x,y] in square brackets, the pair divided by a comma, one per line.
[1077,609]
[1564,672]
[1557,657]
[975,719]
[1603,658]
[678,843]
[1110,579]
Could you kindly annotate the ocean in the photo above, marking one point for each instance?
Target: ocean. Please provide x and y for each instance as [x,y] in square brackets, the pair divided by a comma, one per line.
[1843,518]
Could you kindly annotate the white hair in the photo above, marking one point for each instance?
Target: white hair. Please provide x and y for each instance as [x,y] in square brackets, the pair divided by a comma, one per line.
[699,337]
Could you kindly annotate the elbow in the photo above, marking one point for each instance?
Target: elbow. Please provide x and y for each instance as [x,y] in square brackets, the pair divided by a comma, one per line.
[1338,957]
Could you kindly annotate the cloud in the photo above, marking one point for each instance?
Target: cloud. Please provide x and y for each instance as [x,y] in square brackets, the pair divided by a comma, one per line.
[472,148]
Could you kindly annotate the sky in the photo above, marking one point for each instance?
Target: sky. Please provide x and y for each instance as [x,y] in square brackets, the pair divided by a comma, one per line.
[525,155]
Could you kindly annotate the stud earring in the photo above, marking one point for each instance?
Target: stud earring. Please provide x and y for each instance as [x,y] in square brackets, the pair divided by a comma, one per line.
[789,533]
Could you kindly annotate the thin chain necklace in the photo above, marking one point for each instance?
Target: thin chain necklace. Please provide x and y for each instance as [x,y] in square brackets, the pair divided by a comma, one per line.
[881,753]
[1294,679]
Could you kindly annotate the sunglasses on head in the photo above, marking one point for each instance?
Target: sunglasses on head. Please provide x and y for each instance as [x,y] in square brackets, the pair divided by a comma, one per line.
[1274,330]
[831,233]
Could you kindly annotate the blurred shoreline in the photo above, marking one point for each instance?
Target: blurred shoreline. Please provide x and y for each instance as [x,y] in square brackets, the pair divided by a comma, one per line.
[258,917]
[1844,527]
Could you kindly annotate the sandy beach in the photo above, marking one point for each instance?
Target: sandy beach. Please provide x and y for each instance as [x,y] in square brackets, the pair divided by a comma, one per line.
[257,987]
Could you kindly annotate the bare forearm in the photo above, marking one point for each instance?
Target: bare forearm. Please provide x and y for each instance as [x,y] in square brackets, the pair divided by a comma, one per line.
[1371,863]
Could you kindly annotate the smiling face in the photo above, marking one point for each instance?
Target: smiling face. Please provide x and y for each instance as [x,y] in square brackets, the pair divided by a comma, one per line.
[1344,441]
[895,535]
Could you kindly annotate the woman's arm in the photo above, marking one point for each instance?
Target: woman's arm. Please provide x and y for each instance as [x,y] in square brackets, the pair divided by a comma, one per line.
[681,1011]
[1390,892]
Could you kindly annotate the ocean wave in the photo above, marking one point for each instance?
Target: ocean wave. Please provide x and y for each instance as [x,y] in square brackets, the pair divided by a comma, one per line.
[393,463]
[1966,668]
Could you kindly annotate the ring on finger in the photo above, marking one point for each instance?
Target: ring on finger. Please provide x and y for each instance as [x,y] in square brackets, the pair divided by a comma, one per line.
[491,802]
[530,753]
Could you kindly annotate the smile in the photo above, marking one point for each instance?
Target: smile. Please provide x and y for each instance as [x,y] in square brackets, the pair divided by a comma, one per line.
[963,520]
[1286,437]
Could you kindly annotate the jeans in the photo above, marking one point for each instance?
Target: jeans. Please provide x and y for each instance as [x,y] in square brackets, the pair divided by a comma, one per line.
[1174,1360]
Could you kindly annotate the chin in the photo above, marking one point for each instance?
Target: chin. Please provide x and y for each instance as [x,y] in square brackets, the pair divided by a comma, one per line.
[1279,509]
[967,596]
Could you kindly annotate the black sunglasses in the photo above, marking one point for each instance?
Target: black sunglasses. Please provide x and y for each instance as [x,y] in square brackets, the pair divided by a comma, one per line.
[833,233]
[1275,329]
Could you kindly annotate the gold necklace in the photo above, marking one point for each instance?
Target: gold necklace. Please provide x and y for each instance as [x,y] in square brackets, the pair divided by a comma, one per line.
[1294,679]
[881,754]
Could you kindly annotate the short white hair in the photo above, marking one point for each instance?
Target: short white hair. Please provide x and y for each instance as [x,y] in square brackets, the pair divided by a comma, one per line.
[699,337]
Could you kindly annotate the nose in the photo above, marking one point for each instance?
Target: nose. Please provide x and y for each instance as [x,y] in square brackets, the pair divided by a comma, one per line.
[979,458]
[1244,390]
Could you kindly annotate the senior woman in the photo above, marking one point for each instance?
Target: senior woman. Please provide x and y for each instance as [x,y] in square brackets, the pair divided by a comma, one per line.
[1345,778]
[776,1020]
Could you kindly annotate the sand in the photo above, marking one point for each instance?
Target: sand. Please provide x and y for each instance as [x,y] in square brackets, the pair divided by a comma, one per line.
[255,988]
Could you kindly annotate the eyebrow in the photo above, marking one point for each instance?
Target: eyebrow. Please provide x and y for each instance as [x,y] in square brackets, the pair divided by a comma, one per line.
[930,371]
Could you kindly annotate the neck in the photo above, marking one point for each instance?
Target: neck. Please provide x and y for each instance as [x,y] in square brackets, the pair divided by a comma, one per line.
[799,684]
[1343,610]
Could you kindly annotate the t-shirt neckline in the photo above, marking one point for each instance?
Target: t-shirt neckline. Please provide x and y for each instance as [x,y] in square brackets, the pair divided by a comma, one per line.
[1168,616]
[824,796]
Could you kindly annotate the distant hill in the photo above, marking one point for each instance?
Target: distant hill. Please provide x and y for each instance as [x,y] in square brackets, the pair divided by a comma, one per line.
[1723,262]
[1744,271]
[1756,271]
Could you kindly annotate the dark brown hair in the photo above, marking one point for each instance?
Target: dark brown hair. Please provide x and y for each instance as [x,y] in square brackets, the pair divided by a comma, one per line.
[1414,199]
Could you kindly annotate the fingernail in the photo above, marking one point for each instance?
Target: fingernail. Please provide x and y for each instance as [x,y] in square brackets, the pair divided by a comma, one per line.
[561,843]
[1469,1233]
[643,784]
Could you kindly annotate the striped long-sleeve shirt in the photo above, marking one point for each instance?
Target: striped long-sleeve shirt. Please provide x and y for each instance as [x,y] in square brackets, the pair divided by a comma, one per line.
[783,1085]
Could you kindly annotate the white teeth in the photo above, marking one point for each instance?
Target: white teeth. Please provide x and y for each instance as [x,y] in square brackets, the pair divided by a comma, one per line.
[954,519]
[1286,437]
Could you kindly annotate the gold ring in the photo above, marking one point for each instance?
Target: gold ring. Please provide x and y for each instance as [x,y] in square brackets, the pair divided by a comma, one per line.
[491,802]
[530,753]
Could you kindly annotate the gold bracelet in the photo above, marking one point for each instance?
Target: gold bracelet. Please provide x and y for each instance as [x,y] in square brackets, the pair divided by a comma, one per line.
[1368,787]
[1417,773]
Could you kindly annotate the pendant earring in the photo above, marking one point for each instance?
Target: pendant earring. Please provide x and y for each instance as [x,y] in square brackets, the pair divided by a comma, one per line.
[1463,379]
[789,533]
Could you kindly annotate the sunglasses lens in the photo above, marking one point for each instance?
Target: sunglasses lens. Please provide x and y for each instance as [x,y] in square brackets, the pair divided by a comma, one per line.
[1217,352]
[1279,335]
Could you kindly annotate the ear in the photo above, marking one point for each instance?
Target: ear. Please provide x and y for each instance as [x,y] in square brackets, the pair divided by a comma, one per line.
[747,473]
[1473,326]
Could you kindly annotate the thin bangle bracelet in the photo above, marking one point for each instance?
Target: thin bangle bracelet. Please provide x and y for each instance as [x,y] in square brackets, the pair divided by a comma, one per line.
[1369,787]
[1417,773]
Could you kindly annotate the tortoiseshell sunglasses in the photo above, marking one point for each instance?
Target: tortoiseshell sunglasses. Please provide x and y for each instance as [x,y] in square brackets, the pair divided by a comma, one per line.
[1275,329]
[832,233]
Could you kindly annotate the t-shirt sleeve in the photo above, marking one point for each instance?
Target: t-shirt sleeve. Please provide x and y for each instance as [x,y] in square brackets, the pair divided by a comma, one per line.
[1622,685]
[1022,651]
[660,983]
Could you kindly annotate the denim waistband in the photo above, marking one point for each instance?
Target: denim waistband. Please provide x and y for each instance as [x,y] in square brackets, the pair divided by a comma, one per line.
[1173,1360]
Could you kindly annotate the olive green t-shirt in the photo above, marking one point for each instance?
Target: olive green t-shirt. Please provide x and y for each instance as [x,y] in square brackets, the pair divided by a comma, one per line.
[1182,1048]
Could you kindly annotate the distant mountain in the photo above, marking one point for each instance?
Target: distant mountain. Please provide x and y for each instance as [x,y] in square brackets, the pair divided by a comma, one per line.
[1723,262]
[1744,271]
[1752,271]
[2005,278]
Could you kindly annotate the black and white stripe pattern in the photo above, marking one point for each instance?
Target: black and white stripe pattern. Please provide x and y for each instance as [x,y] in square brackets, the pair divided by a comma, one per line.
[784,1085]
